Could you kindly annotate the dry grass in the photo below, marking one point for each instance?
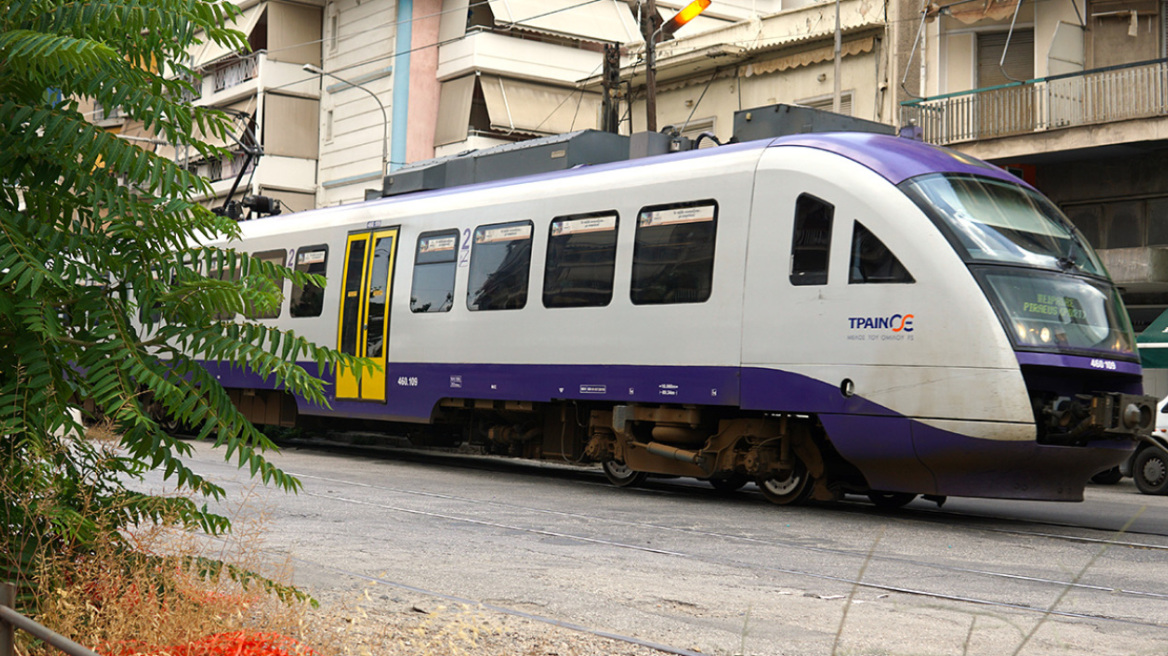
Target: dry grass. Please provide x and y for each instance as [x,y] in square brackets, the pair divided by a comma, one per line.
[163,598]
[157,603]
[102,432]
[371,629]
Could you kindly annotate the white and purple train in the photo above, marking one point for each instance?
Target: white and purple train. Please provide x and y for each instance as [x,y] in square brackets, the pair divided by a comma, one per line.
[822,314]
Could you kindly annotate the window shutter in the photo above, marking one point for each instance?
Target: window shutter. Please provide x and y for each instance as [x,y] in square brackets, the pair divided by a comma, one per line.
[1019,64]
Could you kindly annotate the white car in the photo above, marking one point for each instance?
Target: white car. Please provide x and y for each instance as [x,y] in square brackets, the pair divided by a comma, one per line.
[1148,464]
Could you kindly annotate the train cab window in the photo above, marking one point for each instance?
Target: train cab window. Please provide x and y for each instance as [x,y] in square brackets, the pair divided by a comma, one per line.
[265,284]
[811,243]
[500,264]
[434,265]
[872,262]
[673,253]
[308,301]
[581,259]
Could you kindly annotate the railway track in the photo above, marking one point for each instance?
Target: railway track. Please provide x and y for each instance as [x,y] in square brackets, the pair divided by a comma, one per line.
[559,506]
[1058,584]
[604,528]
[700,490]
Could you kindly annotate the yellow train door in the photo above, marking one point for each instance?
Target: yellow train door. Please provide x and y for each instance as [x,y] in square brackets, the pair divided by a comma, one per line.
[363,328]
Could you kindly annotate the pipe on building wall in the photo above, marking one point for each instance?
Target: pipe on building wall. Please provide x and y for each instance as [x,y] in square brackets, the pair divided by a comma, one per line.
[401,82]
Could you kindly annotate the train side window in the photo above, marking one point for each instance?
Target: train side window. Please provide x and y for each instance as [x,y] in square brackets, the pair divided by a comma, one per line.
[673,253]
[811,243]
[308,301]
[500,264]
[872,262]
[224,266]
[581,260]
[435,263]
[266,284]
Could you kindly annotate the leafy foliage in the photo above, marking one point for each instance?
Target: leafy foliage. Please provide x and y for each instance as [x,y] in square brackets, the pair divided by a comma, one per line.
[96,232]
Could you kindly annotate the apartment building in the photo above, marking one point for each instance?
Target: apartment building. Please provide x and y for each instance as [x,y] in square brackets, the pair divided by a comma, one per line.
[398,81]
[1074,97]
[275,106]
[774,52]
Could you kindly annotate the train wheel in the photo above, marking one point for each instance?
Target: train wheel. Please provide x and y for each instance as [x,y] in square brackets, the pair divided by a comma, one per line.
[1150,470]
[787,489]
[1107,476]
[729,482]
[891,500]
[620,475]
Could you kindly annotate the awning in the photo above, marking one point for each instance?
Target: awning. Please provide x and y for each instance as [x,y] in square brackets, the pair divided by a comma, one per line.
[1153,344]
[210,51]
[452,24]
[454,101]
[808,57]
[977,10]
[532,108]
[603,20]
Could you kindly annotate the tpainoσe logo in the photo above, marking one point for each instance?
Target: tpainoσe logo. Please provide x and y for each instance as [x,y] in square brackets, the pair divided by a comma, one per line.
[896,323]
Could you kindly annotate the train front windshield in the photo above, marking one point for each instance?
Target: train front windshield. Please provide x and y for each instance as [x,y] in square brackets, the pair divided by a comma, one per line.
[1045,280]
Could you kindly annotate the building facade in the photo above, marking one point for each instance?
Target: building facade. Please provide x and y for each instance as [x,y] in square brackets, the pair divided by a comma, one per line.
[783,52]
[267,86]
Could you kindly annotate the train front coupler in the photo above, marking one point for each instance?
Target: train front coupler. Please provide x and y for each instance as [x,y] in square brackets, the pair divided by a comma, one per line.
[1076,420]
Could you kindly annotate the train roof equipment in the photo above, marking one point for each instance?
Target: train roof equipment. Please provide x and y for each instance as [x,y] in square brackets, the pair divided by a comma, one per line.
[593,147]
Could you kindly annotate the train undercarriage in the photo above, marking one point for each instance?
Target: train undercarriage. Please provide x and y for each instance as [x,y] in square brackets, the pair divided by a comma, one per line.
[788,456]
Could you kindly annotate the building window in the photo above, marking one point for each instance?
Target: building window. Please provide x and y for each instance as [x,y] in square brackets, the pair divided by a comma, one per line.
[581,259]
[811,241]
[308,301]
[673,253]
[435,263]
[333,26]
[825,103]
[1019,64]
[500,264]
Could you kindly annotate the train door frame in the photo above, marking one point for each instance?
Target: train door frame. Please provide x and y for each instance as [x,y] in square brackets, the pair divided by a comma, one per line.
[359,294]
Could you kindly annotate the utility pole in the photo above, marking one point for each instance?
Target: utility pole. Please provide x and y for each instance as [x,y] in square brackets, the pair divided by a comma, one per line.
[610,80]
[649,20]
[652,27]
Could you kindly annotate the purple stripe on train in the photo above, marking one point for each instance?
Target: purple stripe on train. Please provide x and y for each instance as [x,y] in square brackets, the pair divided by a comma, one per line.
[895,453]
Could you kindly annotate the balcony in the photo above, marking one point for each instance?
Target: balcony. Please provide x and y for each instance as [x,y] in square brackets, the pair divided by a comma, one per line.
[106,116]
[234,73]
[246,76]
[485,51]
[1094,97]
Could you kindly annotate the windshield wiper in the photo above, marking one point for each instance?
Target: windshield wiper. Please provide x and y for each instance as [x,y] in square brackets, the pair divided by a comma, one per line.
[1070,260]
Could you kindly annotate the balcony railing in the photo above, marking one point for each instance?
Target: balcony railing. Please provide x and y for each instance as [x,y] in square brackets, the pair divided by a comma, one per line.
[235,72]
[1100,95]
[101,113]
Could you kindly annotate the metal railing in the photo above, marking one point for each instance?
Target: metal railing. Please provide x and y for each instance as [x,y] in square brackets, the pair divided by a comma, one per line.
[102,113]
[237,72]
[10,620]
[1101,95]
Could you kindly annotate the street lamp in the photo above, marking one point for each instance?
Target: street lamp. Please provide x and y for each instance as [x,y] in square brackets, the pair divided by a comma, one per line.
[384,118]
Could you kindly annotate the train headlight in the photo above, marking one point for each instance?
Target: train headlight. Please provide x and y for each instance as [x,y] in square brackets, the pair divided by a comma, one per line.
[1044,335]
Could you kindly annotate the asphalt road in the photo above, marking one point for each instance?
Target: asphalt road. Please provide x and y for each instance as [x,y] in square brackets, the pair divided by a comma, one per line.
[679,565]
